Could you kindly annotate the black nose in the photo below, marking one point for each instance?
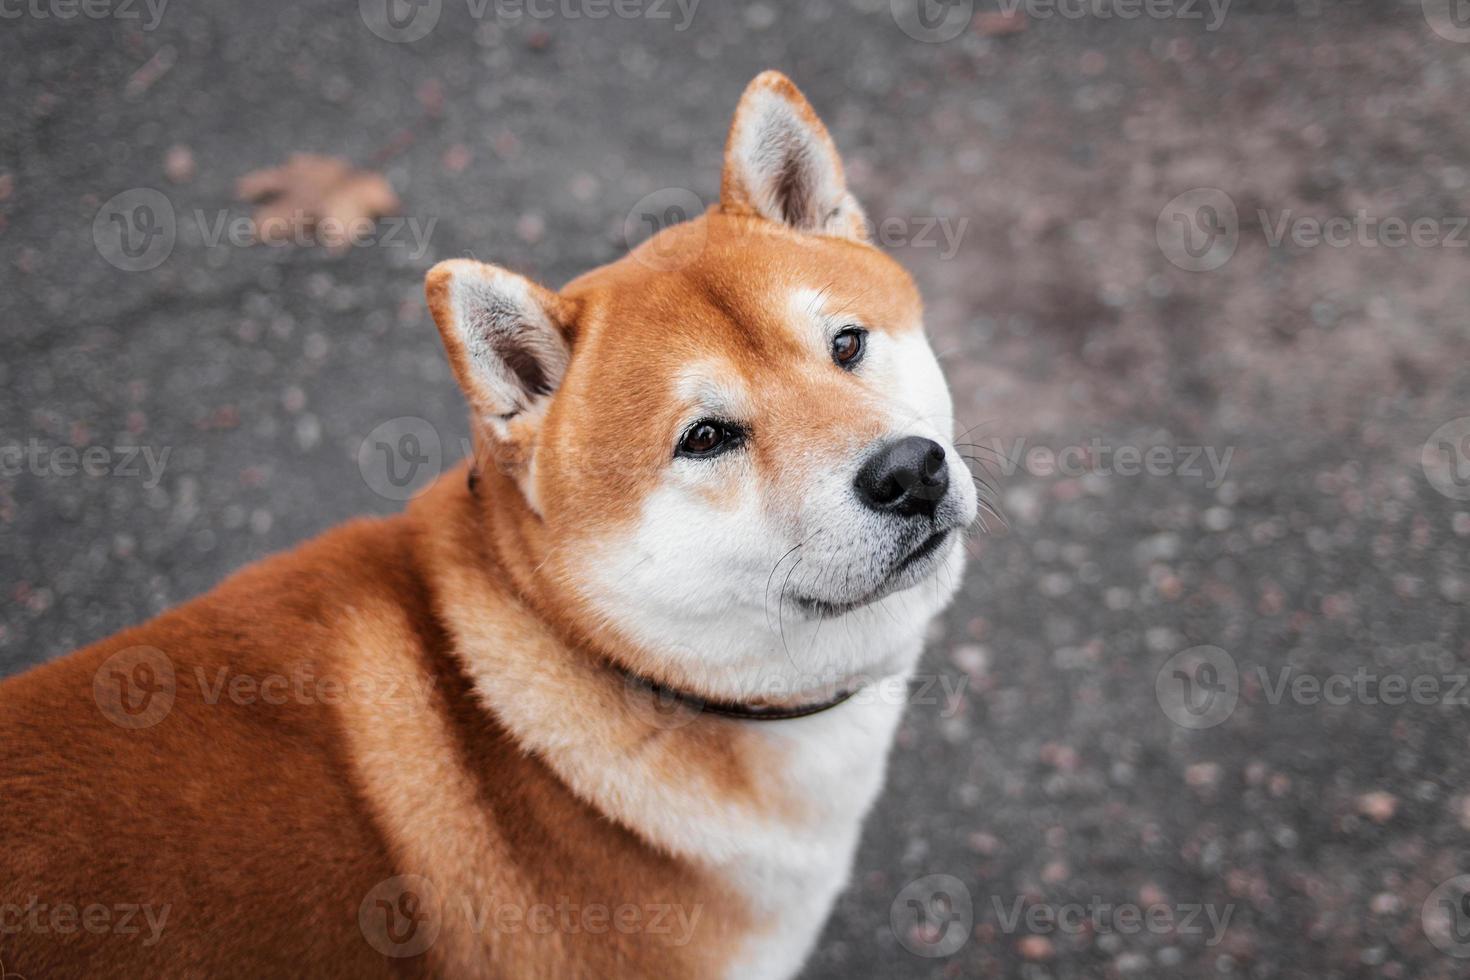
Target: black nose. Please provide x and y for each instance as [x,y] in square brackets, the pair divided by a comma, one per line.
[906,477]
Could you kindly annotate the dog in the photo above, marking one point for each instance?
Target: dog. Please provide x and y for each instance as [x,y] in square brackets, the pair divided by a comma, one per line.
[611,699]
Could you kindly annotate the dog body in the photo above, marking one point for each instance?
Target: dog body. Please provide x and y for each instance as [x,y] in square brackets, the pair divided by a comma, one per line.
[439,743]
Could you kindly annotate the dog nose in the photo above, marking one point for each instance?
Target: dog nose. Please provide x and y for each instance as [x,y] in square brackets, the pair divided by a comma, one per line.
[907,477]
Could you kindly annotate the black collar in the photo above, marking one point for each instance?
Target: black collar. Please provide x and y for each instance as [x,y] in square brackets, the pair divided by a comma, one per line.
[734,709]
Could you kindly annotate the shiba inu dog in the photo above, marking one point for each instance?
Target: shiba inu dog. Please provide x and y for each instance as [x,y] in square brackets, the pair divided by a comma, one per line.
[611,700]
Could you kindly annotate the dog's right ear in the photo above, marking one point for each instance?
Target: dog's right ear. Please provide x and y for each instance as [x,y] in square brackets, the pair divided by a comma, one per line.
[781,163]
[506,337]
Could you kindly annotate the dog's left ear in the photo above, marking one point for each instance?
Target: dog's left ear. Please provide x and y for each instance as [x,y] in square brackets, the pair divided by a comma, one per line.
[781,164]
[506,336]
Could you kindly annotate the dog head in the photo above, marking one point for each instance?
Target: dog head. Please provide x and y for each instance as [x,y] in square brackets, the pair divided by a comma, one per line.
[733,435]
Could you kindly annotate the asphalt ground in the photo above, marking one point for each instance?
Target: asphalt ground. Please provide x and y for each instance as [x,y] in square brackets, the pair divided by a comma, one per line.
[1224,444]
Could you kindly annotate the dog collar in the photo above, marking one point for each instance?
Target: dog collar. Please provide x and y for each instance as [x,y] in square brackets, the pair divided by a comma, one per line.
[734,709]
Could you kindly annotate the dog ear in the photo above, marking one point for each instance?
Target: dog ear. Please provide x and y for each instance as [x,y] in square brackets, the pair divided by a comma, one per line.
[505,335]
[781,164]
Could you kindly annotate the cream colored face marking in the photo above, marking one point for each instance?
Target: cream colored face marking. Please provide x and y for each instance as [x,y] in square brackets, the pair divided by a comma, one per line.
[723,580]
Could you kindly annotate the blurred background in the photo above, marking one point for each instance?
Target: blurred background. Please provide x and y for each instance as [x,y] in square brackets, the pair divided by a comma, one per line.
[1198,275]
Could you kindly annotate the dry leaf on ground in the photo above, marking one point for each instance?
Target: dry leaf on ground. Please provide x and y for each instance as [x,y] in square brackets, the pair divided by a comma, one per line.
[316,200]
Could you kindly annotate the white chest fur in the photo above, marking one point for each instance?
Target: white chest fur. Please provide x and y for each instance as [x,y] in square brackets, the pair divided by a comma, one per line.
[792,872]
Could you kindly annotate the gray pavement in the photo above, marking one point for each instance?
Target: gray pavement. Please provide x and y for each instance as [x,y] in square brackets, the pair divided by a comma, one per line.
[1207,424]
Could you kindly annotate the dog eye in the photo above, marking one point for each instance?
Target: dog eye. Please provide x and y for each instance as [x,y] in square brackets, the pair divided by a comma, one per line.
[707,438]
[848,347]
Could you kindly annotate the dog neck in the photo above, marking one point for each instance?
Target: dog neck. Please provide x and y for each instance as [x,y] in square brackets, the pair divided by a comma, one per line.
[557,691]
[769,810]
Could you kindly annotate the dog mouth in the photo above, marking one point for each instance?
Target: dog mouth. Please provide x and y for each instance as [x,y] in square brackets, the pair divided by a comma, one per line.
[825,609]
